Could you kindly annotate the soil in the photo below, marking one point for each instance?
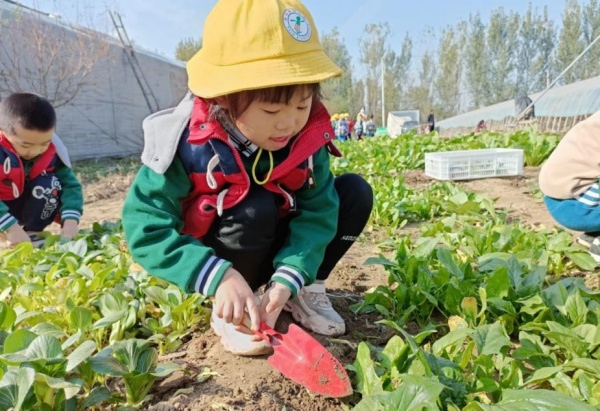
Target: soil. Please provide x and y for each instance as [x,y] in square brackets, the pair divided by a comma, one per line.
[251,383]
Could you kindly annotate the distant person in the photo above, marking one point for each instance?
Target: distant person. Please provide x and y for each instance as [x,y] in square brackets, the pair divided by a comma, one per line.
[431,122]
[370,127]
[38,186]
[359,126]
[342,130]
[350,125]
[480,127]
[242,196]
[524,108]
[569,181]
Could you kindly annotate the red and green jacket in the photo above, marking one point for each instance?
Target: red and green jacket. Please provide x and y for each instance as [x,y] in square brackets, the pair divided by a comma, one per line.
[166,213]
[14,171]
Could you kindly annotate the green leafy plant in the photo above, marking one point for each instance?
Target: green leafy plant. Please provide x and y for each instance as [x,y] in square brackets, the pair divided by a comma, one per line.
[136,362]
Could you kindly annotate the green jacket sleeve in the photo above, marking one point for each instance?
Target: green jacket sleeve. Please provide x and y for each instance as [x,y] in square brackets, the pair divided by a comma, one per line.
[310,231]
[6,219]
[72,195]
[152,220]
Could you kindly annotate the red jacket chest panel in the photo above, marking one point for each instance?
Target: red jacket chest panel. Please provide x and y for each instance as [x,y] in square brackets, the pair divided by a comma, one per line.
[12,171]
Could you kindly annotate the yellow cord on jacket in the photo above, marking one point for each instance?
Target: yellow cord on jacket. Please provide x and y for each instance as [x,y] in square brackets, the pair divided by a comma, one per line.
[260,183]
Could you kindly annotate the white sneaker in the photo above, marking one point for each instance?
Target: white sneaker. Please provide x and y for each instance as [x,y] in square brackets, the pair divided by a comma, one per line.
[237,342]
[313,310]
[595,249]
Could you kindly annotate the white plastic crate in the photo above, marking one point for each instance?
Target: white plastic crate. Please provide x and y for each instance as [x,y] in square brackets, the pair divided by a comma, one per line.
[470,164]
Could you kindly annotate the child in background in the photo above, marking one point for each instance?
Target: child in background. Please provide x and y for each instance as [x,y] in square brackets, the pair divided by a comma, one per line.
[359,126]
[334,120]
[38,184]
[343,128]
[370,127]
[481,127]
[569,181]
[350,125]
[236,191]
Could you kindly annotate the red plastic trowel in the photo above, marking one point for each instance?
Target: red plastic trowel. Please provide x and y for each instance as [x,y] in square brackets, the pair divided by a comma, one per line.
[302,359]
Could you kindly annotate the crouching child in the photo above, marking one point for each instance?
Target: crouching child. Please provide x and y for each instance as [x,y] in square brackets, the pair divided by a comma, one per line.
[236,191]
[38,186]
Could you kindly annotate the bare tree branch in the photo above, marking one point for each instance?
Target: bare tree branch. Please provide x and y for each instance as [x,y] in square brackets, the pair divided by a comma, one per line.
[53,60]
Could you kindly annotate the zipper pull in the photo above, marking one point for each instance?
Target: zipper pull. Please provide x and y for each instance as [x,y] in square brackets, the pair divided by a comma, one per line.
[311,175]
[311,179]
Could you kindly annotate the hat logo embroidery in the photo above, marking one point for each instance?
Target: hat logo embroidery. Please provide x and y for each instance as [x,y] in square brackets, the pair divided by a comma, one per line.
[297,25]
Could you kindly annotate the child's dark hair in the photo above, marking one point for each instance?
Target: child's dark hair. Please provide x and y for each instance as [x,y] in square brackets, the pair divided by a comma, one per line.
[240,101]
[30,111]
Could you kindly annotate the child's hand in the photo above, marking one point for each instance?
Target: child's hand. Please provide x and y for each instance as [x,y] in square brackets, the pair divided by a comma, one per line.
[233,297]
[15,235]
[70,228]
[272,303]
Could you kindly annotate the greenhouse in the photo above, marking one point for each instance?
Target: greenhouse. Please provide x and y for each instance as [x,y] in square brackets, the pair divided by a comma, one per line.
[112,86]
[556,110]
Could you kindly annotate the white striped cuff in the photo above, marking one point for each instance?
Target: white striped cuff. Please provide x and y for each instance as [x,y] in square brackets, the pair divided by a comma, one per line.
[206,283]
[290,277]
[587,201]
[70,215]
[7,221]
[590,197]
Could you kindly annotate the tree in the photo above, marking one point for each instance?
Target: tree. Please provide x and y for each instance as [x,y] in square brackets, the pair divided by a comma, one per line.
[449,73]
[501,48]
[529,48]
[569,43]
[396,75]
[339,94]
[591,29]
[46,58]
[373,48]
[543,69]
[420,96]
[186,48]
[476,62]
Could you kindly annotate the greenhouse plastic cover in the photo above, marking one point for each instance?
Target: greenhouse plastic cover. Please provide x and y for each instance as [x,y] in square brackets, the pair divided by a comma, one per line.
[105,118]
[577,99]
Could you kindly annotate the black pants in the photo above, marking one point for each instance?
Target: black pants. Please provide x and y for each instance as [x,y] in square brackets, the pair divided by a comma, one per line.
[250,234]
[39,203]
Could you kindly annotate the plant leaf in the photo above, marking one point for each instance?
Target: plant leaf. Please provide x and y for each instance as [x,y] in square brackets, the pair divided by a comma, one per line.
[491,339]
[532,400]
[80,354]
[15,386]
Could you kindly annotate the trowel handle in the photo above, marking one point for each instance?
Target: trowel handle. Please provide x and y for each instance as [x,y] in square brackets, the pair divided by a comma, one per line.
[248,324]
[263,332]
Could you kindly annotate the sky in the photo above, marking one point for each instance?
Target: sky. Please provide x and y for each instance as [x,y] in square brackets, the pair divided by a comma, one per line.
[158,25]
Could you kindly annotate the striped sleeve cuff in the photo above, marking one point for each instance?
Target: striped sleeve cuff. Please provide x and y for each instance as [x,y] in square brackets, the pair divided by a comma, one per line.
[7,221]
[70,215]
[290,277]
[210,276]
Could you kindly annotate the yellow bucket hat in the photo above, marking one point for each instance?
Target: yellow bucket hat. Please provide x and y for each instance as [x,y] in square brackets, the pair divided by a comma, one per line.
[252,44]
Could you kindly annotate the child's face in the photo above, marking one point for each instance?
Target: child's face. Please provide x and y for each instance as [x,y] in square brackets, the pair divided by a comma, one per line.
[272,125]
[29,143]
